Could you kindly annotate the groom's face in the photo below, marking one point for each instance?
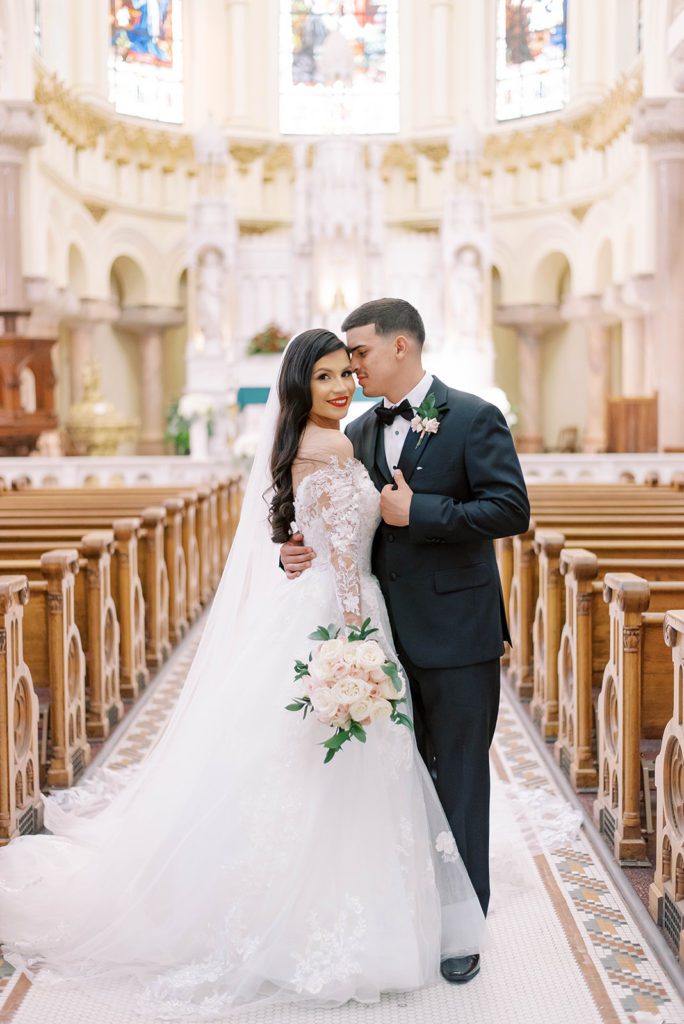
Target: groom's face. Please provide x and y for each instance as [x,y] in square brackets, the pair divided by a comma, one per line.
[372,359]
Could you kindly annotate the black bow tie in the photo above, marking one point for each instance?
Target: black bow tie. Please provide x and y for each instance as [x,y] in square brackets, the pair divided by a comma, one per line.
[387,416]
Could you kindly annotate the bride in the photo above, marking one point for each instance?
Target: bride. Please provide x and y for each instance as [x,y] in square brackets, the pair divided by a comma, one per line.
[234,866]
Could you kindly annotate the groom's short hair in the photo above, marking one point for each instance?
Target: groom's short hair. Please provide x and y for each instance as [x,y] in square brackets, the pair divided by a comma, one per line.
[388,316]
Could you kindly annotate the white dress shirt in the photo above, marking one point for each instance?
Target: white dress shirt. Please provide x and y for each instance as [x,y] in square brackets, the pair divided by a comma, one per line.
[395,433]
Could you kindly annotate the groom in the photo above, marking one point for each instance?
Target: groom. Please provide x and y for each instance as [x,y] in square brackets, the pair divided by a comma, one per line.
[446,493]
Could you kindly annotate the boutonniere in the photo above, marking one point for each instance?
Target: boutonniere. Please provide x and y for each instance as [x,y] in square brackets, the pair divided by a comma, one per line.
[426,420]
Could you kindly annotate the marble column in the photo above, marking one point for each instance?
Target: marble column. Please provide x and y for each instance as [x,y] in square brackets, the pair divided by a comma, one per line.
[440,16]
[590,310]
[660,124]
[149,323]
[633,354]
[531,323]
[82,327]
[626,303]
[237,34]
[20,128]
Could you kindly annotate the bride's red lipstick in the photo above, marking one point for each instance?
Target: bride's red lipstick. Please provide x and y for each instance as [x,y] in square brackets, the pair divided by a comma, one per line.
[339,402]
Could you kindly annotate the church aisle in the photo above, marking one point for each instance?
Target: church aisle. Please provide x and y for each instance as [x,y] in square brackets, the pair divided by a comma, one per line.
[563,947]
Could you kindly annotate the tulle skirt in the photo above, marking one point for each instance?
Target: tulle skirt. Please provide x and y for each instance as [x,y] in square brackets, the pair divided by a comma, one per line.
[235,867]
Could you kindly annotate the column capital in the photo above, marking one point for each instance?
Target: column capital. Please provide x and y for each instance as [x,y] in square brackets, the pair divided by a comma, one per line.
[144,319]
[659,122]
[587,308]
[93,311]
[534,317]
[639,293]
[21,126]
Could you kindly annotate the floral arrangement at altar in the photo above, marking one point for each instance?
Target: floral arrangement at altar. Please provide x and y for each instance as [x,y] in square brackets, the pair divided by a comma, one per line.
[271,340]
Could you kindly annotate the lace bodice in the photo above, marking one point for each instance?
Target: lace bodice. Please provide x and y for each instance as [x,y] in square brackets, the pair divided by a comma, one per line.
[337,509]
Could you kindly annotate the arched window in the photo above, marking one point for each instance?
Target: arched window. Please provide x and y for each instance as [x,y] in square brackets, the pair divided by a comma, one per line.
[531,65]
[339,66]
[146,59]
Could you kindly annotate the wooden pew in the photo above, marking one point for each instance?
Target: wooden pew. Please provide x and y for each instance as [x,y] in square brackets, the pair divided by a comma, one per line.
[149,541]
[584,651]
[54,654]
[21,806]
[97,621]
[524,589]
[634,706]
[667,889]
[181,549]
[126,587]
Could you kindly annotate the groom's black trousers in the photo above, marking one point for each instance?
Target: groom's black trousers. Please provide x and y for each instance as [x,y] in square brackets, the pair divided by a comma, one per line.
[454,712]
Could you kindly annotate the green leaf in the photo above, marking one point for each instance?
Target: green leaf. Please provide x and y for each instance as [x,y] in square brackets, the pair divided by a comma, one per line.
[329,756]
[294,707]
[358,731]
[404,720]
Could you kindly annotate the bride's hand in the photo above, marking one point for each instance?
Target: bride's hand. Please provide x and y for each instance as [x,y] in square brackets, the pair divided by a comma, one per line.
[295,558]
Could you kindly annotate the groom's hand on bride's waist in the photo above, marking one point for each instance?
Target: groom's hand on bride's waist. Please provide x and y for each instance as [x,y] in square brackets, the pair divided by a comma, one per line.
[294,557]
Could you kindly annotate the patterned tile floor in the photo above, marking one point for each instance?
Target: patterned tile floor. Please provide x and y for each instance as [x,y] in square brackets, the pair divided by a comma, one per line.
[563,947]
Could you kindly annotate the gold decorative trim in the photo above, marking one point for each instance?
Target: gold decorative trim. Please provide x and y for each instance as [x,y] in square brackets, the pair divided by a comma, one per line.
[245,154]
[83,125]
[399,157]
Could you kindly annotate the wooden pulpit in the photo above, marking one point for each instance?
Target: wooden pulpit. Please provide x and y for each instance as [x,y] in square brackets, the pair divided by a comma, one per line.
[27,392]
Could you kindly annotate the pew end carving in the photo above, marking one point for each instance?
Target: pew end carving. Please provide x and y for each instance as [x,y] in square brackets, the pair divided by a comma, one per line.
[666,894]
[634,706]
[21,807]
[546,629]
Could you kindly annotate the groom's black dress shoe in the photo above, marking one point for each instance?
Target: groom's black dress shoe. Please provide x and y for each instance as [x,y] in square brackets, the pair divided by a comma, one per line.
[459,969]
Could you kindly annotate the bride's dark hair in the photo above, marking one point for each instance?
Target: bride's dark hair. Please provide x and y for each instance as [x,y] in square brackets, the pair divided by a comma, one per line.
[294,392]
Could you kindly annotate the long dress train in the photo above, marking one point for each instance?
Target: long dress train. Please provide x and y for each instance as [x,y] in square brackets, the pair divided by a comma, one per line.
[236,867]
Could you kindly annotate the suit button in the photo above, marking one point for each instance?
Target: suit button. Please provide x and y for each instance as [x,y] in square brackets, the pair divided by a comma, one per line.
[393,576]
[390,538]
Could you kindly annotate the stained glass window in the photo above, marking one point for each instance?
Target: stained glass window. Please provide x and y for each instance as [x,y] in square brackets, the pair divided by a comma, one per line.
[531,49]
[146,58]
[339,66]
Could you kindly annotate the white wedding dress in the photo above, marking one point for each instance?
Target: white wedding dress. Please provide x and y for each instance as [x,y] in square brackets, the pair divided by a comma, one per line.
[235,867]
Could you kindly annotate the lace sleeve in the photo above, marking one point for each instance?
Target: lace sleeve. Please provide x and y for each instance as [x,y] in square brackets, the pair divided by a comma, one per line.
[337,502]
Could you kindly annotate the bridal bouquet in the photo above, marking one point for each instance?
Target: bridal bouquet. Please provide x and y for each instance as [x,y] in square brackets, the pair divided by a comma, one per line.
[348,684]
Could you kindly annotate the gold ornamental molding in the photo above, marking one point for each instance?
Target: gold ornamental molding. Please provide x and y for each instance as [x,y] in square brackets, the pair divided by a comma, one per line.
[84,126]
[612,115]
[399,157]
[124,141]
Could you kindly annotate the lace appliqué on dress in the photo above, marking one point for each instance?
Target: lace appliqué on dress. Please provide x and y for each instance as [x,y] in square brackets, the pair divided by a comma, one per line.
[332,508]
[329,953]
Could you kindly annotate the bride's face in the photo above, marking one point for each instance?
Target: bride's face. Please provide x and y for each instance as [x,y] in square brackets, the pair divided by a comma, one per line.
[332,386]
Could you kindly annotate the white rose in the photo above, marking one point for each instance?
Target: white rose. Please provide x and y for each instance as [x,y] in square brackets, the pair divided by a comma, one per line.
[430,426]
[330,650]
[416,423]
[340,721]
[360,709]
[351,650]
[387,689]
[323,701]
[370,655]
[380,710]
[348,690]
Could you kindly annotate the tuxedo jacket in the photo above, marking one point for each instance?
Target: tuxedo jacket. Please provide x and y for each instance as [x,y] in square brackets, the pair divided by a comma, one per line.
[439,574]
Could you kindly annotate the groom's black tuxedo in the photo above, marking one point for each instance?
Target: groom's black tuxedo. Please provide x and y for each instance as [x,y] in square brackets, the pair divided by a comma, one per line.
[441,585]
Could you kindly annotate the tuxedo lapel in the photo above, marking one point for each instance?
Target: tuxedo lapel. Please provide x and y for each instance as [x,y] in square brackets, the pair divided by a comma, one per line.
[413,451]
[380,455]
[371,447]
